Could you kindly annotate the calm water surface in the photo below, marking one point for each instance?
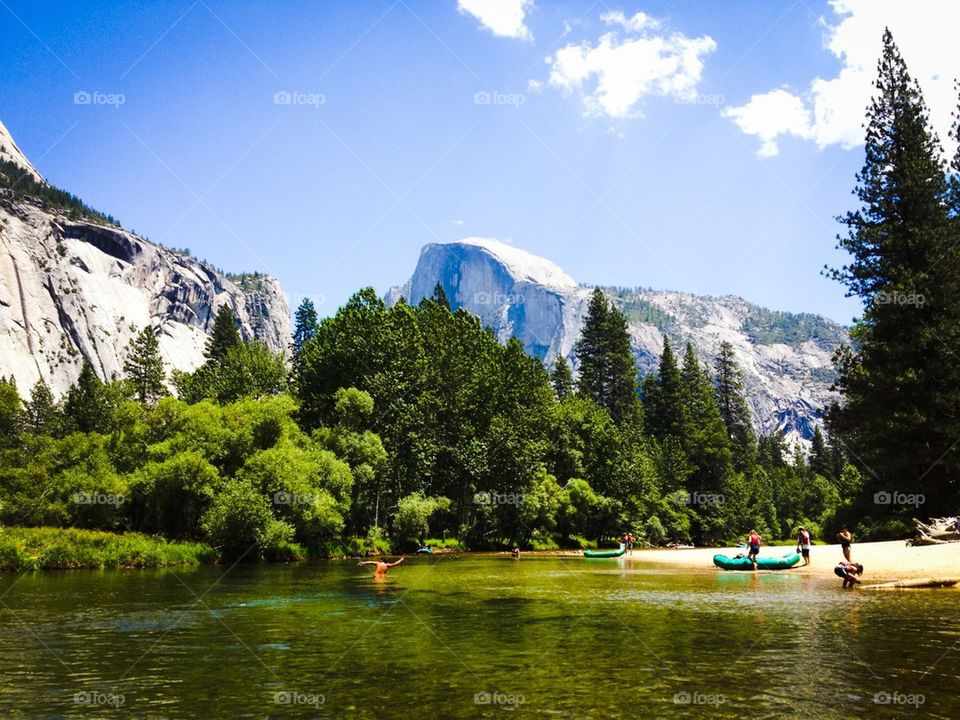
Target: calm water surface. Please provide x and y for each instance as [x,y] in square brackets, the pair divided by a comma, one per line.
[471,637]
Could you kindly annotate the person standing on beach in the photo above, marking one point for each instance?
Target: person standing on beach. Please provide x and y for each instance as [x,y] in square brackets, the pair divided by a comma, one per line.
[754,542]
[846,539]
[803,544]
[629,539]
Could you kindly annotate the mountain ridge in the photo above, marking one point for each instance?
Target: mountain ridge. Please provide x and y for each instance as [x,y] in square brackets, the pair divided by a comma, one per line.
[786,357]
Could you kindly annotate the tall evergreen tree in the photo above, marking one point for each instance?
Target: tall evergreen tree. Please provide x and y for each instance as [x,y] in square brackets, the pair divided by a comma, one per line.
[733,407]
[608,372]
[305,327]
[664,402]
[86,404]
[144,366]
[561,378]
[899,381]
[820,460]
[224,335]
[41,414]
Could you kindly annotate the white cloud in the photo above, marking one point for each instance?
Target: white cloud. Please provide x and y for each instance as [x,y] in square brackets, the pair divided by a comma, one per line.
[770,115]
[534,86]
[835,107]
[615,75]
[637,23]
[504,18]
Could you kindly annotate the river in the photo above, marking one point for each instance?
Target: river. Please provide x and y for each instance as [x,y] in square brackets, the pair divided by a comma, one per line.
[471,637]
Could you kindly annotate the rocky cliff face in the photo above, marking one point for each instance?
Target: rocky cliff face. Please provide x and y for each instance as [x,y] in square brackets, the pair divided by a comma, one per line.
[72,289]
[786,358]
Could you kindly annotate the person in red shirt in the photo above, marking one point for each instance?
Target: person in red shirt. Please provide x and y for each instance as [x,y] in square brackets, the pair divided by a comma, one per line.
[803,544]
[754,542]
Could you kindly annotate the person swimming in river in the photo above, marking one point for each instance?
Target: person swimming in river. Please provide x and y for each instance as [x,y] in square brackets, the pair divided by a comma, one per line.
[382,566]
[754,542]
[848,571]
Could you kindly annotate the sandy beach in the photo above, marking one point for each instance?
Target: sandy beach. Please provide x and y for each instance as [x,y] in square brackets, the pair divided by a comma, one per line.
[882,561]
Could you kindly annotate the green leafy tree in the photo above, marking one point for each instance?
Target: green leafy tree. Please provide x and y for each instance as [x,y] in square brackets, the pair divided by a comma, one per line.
[899,380]
[411,522]
[305,326]
[11,413]
[241,525]
[144,366]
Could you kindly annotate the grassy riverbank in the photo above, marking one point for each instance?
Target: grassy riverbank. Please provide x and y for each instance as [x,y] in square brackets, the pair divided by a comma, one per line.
[47,548]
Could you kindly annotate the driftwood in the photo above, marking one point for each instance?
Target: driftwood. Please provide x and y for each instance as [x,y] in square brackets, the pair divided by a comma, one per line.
[919,583]
[936,532]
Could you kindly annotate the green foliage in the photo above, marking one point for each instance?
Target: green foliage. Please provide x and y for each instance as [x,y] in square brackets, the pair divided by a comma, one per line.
[245,370]
[769,327]
[41,414]
[68,548]
[11,414]
[240,523]
[87,402]
[411,521]
[18,180]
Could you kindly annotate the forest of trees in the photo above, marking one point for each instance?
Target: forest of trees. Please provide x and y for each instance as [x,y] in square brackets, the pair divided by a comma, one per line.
[394,426]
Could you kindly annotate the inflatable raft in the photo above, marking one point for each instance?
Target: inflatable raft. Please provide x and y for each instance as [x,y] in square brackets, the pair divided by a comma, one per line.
[763,562]
[605,553]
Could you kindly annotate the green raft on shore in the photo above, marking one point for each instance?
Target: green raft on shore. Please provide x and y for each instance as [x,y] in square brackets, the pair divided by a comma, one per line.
[763,563]
[605,553]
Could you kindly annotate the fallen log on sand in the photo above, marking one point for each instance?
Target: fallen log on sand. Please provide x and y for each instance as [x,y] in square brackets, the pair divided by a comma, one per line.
[915,583]
[937,532]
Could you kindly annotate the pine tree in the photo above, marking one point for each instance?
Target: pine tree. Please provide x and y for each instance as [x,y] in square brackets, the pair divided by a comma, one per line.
[440,295]
[899,381]
[562,378]
[224,335]
[664,402]
[607,370]
[144,366]
[305,327]
[86,403]
[733,407]
[41,414]
[820,460]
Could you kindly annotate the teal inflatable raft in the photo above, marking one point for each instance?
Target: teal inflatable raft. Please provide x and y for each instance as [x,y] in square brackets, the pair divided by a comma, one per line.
[605,553]
[763,563]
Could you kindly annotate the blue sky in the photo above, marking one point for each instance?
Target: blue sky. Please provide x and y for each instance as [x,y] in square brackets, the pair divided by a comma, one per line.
[682,148]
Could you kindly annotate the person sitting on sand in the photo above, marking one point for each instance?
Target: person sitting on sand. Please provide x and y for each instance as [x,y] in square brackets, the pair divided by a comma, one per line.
[754,542]
[382,566]
[803,544]
[846,539]
[848,571]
